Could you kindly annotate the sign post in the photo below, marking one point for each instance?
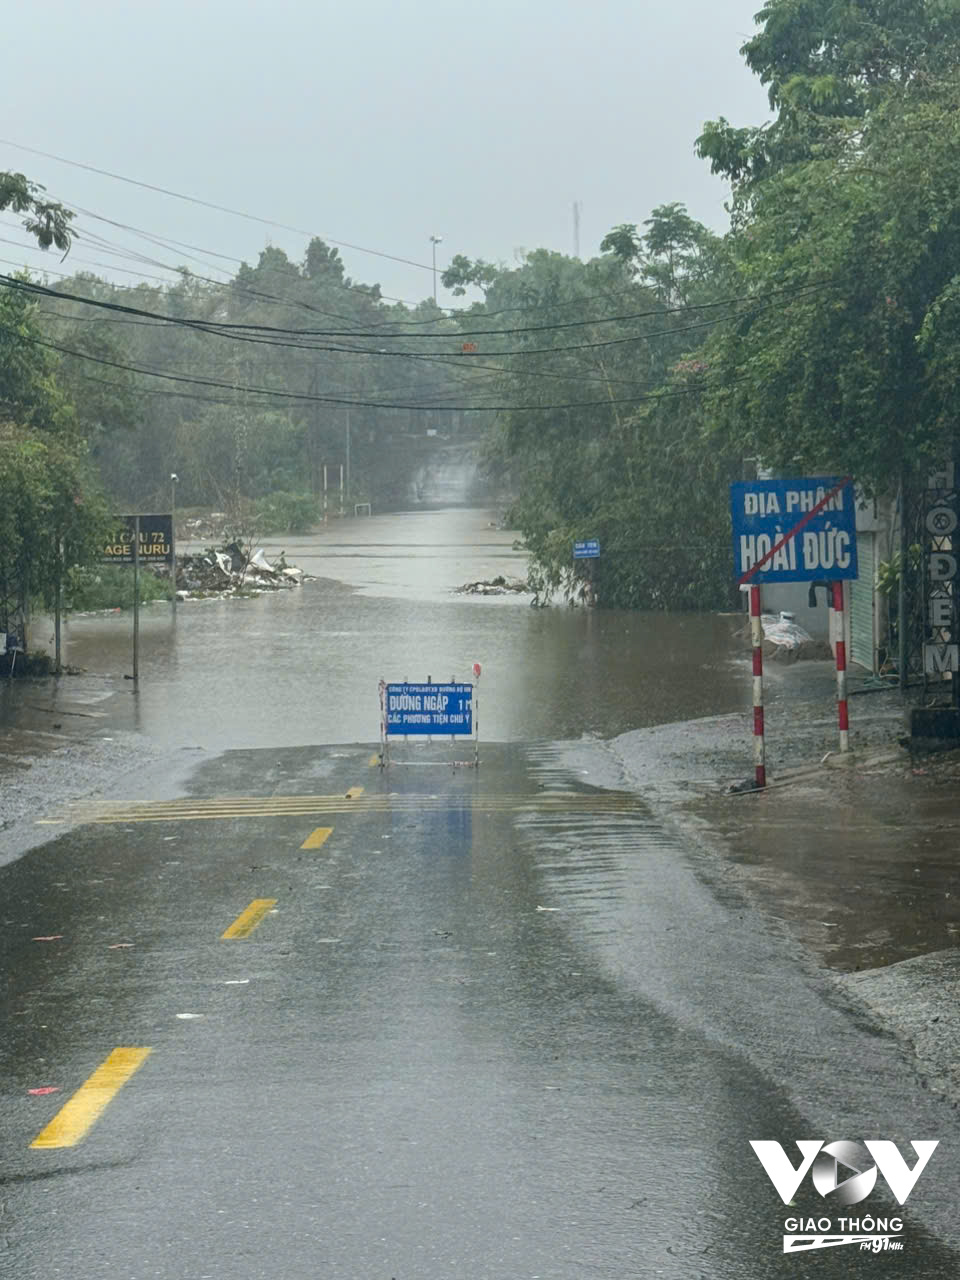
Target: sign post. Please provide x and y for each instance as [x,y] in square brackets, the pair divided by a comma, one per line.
[795,529]
[174,480]
[588,550]
[58,610]
[759,738]
[136,599]
[140,539]
[843,718]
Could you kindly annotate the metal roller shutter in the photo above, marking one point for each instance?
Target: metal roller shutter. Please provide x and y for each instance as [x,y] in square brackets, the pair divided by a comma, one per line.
[863,637]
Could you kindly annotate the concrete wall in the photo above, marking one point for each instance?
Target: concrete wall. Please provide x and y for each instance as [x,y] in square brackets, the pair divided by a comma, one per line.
[792,597]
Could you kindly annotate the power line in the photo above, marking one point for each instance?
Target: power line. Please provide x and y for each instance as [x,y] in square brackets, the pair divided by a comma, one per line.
[433,358]
[209,204]
[275,330]
[446,361]
[222,400]
[229,285]
[340,243]
[354,403]
[167,242]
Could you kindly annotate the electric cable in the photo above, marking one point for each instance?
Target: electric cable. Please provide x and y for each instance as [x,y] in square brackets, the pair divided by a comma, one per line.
[209,204]
[362,404]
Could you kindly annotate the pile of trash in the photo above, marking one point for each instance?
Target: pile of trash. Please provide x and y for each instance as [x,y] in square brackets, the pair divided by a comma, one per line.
[499,586]
[781,629]
[227,570]
[784,640]
[202,528]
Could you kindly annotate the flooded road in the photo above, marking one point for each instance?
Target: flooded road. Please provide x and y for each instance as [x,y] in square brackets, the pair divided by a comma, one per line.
[301,1017]
[302,666]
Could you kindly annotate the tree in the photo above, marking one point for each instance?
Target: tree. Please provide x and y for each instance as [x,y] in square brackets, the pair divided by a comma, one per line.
[29,393]
[323,263]
[609,441]
[462,274]
[675,255]
[849,239]
[47,220]
[829,62]
[51,511]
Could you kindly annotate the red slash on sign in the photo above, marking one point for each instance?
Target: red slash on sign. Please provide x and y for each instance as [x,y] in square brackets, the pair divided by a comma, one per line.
[792,533]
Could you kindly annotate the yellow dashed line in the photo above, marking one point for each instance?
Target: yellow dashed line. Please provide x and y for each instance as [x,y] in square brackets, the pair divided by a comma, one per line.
[248,920]
[317,838]
[86,1106]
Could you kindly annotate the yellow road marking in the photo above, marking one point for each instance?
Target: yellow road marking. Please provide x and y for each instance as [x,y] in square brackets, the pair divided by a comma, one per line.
[248,920]
[81,1112]
[225,807]
[354,792]
[374,759]
[317,837]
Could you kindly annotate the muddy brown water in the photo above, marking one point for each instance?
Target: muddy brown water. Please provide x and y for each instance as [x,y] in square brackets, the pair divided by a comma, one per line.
[302,666]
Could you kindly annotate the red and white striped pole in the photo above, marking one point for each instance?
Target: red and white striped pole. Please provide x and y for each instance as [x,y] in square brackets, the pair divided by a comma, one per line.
[843,718]
[756,633]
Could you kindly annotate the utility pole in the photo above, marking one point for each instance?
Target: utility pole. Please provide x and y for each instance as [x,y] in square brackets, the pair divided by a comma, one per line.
[347,478]
[315,436]
[576,228]
[58,607]
[435,240]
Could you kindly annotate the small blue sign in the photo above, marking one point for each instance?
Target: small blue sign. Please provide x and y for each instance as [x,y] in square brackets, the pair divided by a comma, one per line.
[430,709]
[588,550]
[774,523]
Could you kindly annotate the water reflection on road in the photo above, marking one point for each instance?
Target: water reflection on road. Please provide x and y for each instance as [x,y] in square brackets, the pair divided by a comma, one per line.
[302,666]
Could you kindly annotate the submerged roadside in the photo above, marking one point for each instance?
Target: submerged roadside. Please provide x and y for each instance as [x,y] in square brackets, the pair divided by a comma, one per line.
[854,859]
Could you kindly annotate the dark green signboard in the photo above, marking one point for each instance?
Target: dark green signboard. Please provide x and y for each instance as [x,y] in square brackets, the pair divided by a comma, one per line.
[156,541]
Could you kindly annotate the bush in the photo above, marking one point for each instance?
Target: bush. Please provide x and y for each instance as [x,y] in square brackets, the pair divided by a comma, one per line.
[111,587]
[287,513]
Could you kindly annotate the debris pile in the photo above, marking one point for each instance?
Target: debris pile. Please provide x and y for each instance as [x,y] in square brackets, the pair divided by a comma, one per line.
[228,570]
[784,640]
[202,528]
[499,586]
[783,630]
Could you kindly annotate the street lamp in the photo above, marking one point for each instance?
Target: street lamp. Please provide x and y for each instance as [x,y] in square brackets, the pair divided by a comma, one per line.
[435,240]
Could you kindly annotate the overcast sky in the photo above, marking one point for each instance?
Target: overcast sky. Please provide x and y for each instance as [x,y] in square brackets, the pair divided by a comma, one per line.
[376,122]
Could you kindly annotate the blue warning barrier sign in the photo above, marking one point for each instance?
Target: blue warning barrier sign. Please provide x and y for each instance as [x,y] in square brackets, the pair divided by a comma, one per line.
[429,709]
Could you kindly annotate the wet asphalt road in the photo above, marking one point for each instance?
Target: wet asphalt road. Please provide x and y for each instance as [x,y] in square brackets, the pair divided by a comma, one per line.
[480,1033]
[407,1069]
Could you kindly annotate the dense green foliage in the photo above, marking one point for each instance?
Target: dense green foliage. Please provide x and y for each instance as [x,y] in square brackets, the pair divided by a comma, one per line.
[833,300]
[51,510]
[850,201]
[285,389]
[281,512]
[110,587]
[625,461]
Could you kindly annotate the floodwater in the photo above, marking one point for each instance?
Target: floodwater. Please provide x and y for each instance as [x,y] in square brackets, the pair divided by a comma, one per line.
[302,666]
[488,1031]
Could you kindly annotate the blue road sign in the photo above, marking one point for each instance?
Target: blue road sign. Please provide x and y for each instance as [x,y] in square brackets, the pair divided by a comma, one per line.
[797,529]
[588,550]
[430,709]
